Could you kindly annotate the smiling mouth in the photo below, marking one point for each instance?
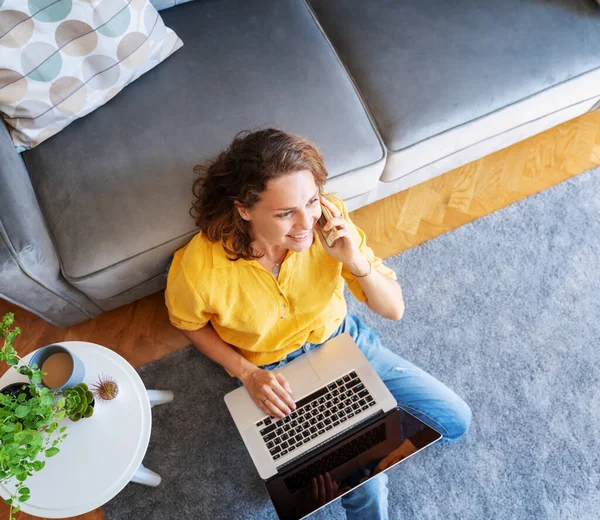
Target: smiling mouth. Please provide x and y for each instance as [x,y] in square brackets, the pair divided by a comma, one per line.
[299,237]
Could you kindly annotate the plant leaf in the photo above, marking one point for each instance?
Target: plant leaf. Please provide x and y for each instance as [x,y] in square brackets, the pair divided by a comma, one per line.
[33,452]
[27,438]
[51,452]
[22,411]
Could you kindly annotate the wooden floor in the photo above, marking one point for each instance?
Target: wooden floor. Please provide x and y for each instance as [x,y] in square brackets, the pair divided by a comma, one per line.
[141,332]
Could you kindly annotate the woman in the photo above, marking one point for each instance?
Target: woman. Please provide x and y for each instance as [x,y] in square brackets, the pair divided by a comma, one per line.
[256,288]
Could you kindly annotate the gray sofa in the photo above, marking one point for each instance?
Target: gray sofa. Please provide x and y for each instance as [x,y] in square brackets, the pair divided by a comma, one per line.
[393,92]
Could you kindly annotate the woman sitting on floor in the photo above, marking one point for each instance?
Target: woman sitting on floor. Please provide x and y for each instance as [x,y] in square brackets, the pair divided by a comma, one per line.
[258,286]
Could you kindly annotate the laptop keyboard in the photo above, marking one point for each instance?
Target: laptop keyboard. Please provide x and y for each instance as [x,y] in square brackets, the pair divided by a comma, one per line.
[316,414]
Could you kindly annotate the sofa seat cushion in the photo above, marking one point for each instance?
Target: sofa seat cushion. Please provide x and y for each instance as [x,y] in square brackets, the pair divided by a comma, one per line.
[429,69]
[116,186]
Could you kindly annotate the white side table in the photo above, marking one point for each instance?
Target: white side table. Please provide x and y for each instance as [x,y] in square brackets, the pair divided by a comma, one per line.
[101,454]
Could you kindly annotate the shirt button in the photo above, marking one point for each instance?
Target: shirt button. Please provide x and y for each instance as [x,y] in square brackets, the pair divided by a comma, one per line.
[283,317]
[283,306]
[280,294]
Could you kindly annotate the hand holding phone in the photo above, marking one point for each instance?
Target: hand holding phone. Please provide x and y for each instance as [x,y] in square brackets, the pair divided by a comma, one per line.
[326,216]
[342,240]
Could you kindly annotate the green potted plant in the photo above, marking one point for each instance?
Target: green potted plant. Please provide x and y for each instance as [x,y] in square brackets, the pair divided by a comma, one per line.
[29,417]
[79,402]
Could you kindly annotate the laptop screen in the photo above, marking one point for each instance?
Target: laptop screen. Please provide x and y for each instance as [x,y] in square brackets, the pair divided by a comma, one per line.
[324,476]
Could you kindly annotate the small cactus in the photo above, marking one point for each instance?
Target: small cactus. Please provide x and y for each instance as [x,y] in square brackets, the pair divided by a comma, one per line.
[106,388]
[79,402]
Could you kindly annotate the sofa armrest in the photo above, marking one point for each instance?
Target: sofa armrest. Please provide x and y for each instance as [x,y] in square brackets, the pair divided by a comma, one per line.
[29,265]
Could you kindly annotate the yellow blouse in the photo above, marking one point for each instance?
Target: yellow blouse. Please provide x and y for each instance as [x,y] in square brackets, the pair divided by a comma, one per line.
[264,319]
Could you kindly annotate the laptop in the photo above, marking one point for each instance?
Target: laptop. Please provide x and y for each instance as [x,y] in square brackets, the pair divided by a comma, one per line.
[346,429]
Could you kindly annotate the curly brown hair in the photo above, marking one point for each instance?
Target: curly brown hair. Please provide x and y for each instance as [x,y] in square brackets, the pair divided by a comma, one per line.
[241,173]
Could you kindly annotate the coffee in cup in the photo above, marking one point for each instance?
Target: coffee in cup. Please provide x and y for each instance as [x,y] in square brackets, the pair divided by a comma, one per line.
[58,368]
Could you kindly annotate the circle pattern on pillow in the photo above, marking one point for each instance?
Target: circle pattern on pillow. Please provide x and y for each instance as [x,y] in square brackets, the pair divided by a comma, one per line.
[43,113]
[13,85]
[100,72]
[61,59]
[41,61]
[16,29]
[112,17]
[68,95]
[49,10]
[76,38]
[133,50]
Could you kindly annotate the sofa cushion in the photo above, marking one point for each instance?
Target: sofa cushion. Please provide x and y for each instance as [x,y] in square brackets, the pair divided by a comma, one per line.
[427,69]
[62,60]
[116,185]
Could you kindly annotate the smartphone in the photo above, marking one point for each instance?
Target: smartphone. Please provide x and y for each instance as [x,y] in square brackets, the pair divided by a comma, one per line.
[326,217]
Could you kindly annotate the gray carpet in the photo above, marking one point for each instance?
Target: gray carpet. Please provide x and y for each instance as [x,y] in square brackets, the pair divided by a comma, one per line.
[505,310]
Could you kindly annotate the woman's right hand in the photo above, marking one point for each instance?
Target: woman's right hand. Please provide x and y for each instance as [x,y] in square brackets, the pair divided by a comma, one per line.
[263,384]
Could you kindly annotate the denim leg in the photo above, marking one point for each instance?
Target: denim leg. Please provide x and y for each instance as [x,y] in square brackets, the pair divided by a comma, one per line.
[369,501]
[417,392]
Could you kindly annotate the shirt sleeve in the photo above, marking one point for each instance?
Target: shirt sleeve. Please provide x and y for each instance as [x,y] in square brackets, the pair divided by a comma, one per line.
[187,309]
[375,261]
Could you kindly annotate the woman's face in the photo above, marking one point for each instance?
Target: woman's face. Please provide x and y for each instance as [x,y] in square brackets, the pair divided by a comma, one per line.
[287,213]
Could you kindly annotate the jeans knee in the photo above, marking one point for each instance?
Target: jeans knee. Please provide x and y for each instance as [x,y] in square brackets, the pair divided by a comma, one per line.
[371,495]
[460,422]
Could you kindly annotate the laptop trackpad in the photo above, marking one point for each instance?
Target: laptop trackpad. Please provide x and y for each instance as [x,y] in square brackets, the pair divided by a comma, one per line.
[301,376]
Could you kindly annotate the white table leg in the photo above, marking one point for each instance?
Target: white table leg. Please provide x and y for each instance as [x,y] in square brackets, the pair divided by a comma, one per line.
[159,396]
[145,476]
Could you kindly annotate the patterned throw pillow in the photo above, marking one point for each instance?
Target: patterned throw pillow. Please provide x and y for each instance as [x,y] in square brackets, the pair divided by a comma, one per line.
[62,59]
[167,4]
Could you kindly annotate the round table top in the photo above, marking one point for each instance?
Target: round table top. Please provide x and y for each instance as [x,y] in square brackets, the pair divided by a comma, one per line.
[100,454]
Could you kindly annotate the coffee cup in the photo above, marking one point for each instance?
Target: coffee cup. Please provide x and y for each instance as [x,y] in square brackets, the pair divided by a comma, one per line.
[63,368]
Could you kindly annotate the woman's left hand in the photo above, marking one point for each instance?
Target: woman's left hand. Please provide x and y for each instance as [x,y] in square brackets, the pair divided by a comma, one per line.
[345,245]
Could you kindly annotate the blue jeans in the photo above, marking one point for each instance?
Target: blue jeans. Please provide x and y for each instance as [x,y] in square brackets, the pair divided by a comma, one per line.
[415,391]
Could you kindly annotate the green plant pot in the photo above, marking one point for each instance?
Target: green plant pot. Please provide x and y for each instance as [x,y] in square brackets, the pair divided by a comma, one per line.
[14,389]
[91,404]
